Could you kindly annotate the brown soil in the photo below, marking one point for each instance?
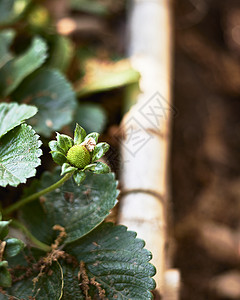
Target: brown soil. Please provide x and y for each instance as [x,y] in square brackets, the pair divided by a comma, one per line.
[205,147]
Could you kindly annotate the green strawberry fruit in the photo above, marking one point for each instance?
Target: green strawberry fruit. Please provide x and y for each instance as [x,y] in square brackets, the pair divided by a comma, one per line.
[78,156]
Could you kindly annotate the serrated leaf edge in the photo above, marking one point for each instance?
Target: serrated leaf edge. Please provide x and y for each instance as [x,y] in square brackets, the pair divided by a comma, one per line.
[38,154]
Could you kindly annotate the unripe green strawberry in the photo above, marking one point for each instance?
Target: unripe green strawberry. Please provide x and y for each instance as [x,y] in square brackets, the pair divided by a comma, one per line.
[79,156]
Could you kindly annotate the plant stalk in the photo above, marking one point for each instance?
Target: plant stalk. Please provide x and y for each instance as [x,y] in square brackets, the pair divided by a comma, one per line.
[32,238]
[32,197]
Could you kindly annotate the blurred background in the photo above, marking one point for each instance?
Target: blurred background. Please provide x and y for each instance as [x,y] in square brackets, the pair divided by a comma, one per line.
[205,148]
[87,41]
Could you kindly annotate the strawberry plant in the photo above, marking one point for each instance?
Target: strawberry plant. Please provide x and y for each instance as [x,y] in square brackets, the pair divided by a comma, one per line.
[54,242]
[71,253]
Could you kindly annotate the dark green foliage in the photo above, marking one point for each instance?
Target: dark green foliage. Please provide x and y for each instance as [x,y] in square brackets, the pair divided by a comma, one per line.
[78,209]
[50,92]
[71,253]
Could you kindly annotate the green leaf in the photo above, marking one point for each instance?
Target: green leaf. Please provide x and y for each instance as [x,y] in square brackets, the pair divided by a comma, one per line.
[98,168]
[40,224]
[13,247]
[93,7]
[78,209]
[11,10]
[14,71]
[79,177]
[79,134]
[71,289]
[91,116]
[52,94]
[5,277]
[58,157]
[110,255]
[53,145]
[61,53]
[94,135]
[65,142]
[67,168]
[99,150]
[117,261]
[4,229]
[6,38]
[19,155]
[102,77]
[13,114]
[48,286]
